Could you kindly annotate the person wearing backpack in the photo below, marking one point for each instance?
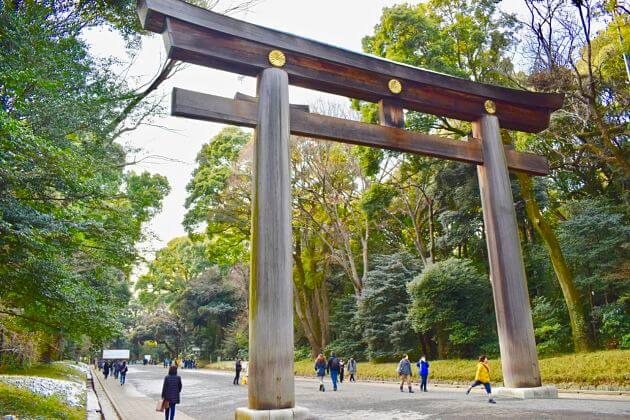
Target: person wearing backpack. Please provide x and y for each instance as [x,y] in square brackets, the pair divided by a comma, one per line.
[320,371]
[404,370]
[423,370]
[482,377]
[333,369]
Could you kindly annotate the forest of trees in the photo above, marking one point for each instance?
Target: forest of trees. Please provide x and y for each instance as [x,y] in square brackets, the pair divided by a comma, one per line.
[389,252]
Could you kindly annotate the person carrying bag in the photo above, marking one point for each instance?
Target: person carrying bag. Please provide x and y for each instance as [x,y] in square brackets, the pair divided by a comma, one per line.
[171,389]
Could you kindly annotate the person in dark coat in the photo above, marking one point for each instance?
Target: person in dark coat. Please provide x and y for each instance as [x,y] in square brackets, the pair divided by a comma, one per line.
[171,389]
[122,372]
[106,369]
[341,369]
[238,367]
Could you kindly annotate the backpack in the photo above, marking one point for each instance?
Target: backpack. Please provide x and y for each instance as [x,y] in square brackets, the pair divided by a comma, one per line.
[334,363]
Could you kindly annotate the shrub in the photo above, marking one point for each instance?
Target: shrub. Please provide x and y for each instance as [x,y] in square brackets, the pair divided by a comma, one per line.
[453,301]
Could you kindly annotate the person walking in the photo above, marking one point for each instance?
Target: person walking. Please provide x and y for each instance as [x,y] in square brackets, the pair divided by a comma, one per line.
[342,366]
[404,370]
[482,377]
[239,367]
[333,368]
[320,370]
[171,388]
[122,371]
[352,369]
[106,369]
[115,367]
[423,370]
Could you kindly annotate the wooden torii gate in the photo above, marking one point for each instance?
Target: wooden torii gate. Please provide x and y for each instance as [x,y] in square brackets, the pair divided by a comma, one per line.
[277,59]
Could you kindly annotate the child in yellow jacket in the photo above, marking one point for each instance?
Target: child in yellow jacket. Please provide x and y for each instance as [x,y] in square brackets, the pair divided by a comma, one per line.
[483,378]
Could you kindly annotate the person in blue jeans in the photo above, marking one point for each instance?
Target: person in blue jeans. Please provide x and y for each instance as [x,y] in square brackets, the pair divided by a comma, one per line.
[122,372]
[171,389]
[333,369]
[423,370]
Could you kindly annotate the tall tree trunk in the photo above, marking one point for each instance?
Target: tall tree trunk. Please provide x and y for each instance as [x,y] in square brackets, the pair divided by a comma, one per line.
[579,326]
[311,300]
[431,232]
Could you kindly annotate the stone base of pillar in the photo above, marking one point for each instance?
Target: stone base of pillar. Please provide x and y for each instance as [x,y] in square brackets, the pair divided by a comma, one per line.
[295,413]
[539,392]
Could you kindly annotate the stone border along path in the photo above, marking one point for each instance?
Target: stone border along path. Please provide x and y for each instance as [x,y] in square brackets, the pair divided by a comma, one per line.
[127,403]
[108,411]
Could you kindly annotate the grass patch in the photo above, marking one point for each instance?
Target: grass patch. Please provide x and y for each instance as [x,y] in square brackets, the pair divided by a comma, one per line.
[47,370]
[606,370]
[28,405]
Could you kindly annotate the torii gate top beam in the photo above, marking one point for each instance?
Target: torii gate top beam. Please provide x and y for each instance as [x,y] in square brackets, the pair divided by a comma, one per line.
[199,36]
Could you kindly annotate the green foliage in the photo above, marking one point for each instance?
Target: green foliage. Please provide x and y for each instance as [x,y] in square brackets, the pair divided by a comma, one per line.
[347,338]
[382,307]
[553,334]
[27,404]
[615,323]
[453,299]
[219,195]
[302,353]
[595,238]
[189,301]
[70,216]
[171,270]
[377,198]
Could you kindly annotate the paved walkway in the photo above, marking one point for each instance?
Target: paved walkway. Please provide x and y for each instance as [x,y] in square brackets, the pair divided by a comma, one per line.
[127,402]
[211,395]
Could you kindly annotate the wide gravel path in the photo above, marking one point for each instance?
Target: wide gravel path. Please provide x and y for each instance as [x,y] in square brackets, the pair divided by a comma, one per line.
[210,395]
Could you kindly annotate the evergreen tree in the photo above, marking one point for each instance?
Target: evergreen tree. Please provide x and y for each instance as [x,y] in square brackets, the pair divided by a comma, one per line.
[382,307]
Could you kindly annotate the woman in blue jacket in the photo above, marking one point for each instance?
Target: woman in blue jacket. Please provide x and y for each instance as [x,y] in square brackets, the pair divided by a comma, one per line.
[320,369]
[423,369]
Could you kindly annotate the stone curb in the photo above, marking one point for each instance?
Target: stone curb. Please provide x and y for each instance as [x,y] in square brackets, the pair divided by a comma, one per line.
[109,397]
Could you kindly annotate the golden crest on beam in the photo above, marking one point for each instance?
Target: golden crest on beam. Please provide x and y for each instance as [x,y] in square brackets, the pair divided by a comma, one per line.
[394,86]
[490,106]
[277,58]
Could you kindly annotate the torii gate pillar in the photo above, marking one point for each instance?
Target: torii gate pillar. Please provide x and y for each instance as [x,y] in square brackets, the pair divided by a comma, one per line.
[270,386]
[519,359]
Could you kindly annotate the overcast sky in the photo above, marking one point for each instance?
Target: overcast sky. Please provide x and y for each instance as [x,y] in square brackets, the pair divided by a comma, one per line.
[341,23]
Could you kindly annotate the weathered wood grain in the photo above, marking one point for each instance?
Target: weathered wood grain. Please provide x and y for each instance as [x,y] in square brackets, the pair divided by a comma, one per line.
[207,107]
[243,97]
[507,272]
[391,114]
[270,371]
[202,37]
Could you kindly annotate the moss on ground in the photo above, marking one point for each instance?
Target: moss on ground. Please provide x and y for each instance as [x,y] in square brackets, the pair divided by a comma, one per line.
[609,370]
[28,405]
